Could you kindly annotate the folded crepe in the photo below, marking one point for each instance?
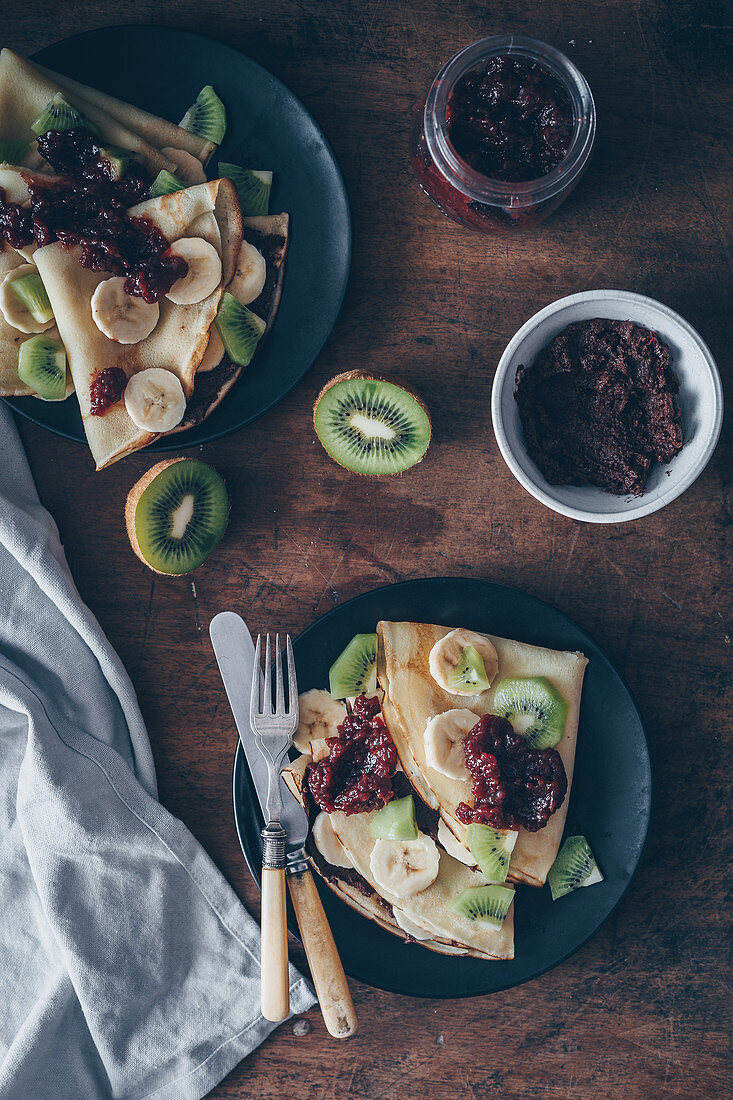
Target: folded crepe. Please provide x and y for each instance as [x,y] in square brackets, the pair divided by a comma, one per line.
[179,340]
[216,373]
[25,92]
[447,932]
[412,698]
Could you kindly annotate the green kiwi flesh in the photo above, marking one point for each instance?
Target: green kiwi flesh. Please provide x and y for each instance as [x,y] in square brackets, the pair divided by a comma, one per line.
[371,426]
[492,850]
[165,183]
[395,821]
[42,366]
[181,517]
[489,904]
[536,710]
[58,114]
[29,289]
[575,866]
[253,188]
[119,160]
[240,329]
[206,117]
[470,672]
[12,152]
[354,672]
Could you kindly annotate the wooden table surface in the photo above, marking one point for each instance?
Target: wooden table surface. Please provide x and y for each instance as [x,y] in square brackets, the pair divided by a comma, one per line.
[641,1010]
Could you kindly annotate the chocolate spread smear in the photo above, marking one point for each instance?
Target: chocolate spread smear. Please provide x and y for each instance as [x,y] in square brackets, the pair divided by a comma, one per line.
[599,406]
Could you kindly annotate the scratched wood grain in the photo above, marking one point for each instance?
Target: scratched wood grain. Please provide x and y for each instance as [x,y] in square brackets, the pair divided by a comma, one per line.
[642,1010]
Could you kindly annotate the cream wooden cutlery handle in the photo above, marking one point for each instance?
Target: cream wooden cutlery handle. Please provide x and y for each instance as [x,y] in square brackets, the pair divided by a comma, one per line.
[274,991]
[323,957]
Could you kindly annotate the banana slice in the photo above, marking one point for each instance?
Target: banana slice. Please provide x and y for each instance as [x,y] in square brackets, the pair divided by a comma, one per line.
[155,400]
[405,867]
[319,749]
[453,665]
[453,846]
[327,843]
[120,316]
[320,717]
[250,275]
[15,311]
[204,271]
[443,740]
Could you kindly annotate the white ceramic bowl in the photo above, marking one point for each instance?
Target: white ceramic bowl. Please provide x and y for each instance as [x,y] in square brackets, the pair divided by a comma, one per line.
[700,397]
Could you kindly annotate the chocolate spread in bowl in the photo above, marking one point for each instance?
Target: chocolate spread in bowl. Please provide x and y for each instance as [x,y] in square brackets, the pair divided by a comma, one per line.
[599,406]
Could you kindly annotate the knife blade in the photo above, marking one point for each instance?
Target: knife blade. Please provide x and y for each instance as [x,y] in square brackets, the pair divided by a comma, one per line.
[235,655]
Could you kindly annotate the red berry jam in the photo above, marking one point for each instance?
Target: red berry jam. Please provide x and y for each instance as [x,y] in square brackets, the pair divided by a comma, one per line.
[513,121]
[85,206]
[357,774]
[106,389]
[513,784]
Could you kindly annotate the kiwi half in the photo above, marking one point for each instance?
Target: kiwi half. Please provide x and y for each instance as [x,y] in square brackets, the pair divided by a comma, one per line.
[253,188]
[165,183]
[492,850]
[575,866]
[42,366]
[12,152]
[29,289]
[176,514]
[395,821]
[240,329]
[536,710]
[371,426]
[206,116]
[354,672]
[58,114]
[489,904]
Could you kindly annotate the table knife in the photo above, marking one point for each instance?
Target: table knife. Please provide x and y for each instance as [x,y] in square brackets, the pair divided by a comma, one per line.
[235,655]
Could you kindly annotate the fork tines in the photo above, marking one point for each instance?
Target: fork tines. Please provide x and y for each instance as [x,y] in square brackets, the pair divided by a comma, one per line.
[261,701]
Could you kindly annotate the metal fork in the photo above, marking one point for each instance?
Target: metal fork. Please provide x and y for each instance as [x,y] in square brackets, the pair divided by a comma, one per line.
[274,730]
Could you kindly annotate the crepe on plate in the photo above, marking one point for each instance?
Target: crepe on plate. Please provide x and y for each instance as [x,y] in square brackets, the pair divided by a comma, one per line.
[412,698]
[447,932]
[180,338]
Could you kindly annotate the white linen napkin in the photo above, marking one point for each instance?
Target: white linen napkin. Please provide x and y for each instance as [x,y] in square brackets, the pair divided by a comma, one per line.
[128,966]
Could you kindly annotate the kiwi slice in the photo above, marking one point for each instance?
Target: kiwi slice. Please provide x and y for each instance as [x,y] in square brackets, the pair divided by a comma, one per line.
[470,672]
[32,293]
[371,426]
[207,116]
[485,903]
[240,329]
[176,515]
[42,366]
[395,821]
[575,866]
[119,160]
[253,188]
[12,152]
[58,114]
[354,672]
[536,710]
[165,183]
[492,850]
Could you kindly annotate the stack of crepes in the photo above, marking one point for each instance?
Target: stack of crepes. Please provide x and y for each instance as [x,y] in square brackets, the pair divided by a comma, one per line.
[410,700]
[185,340]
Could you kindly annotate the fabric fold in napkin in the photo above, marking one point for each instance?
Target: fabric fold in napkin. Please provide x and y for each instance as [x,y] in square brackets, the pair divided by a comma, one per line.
[128,966]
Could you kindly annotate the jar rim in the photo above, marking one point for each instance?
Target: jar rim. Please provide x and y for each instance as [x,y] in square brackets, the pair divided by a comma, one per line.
[474,184]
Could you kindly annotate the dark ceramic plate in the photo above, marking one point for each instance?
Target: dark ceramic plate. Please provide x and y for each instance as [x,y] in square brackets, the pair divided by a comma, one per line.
[610,800]
[267,128]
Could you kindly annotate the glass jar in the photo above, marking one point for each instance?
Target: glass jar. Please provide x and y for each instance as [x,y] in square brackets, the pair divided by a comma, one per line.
[465,195]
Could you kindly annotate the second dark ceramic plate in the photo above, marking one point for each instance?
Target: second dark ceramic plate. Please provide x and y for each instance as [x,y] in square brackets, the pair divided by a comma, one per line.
[267,128]
[610,800]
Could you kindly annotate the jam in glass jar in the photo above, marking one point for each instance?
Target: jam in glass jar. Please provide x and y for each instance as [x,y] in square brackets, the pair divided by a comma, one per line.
[504,135]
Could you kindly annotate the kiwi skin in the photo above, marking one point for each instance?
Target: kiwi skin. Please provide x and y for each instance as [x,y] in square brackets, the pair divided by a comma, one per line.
[133,498]
[348,376]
